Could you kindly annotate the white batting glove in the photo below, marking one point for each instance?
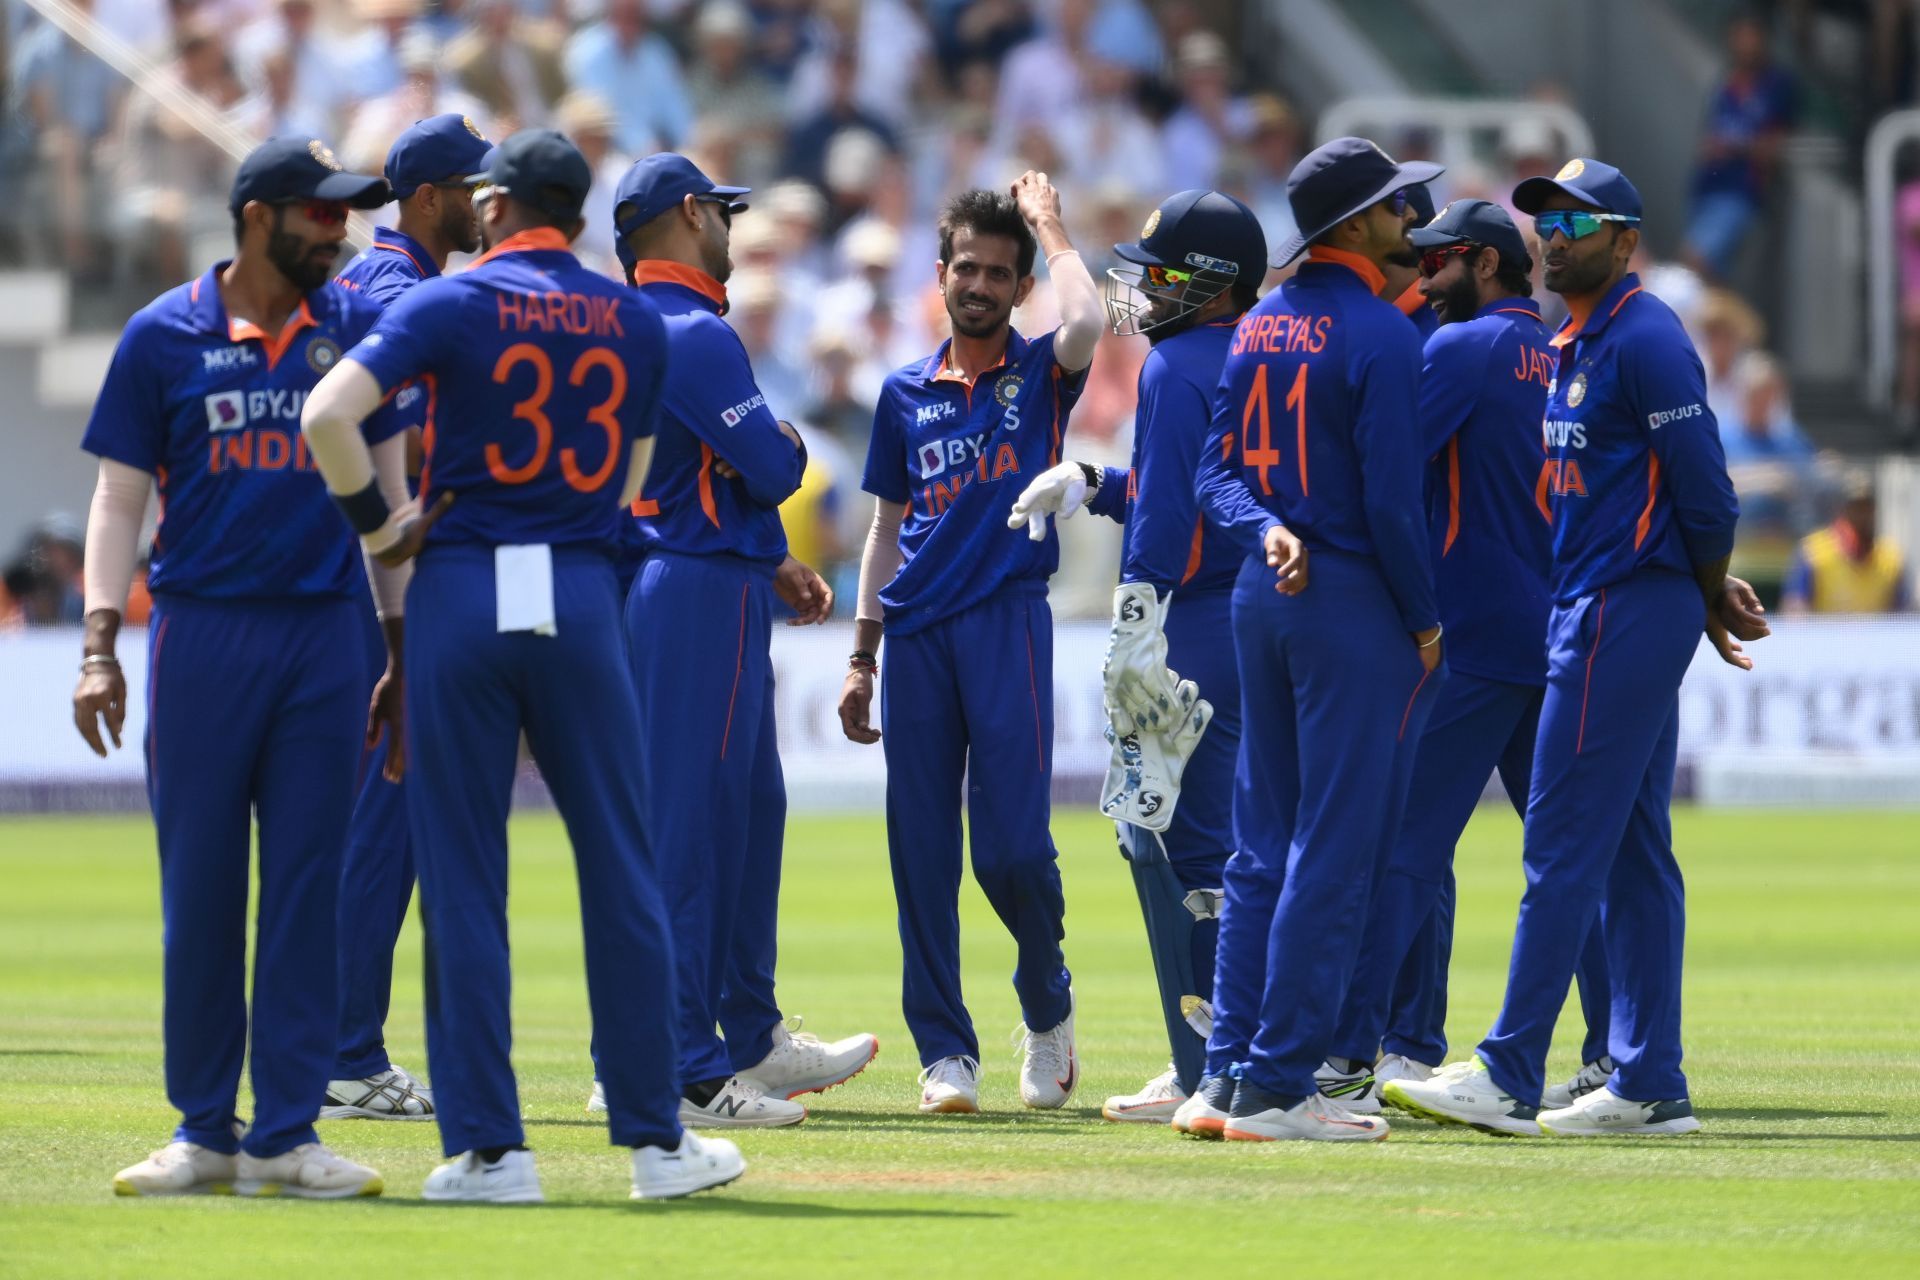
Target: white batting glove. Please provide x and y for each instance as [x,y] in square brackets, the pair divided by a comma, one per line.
[1060,491]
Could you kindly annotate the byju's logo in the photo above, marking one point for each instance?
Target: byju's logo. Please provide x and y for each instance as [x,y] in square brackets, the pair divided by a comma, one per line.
[1662,417]
[226,411]
[733,415]
[933,459]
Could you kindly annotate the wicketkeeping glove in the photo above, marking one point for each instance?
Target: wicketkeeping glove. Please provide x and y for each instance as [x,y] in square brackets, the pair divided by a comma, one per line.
[1145,767]
[1060,491]
[1134,678]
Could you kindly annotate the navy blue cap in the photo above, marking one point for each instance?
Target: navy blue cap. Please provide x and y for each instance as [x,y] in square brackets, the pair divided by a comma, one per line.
[446,148]
[284,169]
[1338,179]
[656,184]
[1588,181]
[1476,222]
[541,169]
[1201,231]
[1420,200]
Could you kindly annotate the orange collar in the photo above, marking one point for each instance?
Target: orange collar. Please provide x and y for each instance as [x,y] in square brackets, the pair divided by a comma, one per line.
[1579,311]
[1362,267]
[662,271]
[275,344]
[524,242]
[1411,300]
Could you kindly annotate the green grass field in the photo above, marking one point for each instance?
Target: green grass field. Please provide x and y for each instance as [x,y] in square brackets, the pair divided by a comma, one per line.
[1803,973]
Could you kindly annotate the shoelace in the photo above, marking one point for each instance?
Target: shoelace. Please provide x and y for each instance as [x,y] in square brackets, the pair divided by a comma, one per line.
[1164,1085]
[944,1071]
[1042,1047]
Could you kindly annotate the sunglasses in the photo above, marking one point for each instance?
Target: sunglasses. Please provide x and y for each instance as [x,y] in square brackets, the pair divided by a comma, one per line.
[1434,261]
[1165,277]
[1575,224]
[328,213]
[1397,202]
[723,203]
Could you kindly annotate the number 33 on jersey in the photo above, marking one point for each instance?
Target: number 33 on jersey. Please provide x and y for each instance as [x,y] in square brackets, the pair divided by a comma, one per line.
[578,357]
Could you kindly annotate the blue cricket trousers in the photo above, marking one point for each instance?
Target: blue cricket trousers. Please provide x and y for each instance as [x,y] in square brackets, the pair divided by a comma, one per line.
[470,692]
[1334,701]
[1599,836]
[698,631]
[969,701]
[1398,994]
[255,710]
[376,886]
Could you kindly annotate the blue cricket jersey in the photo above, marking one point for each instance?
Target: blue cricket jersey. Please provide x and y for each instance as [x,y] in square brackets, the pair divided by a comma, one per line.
[1483,393]
[211,407]
[387,268]
[1168,542]
[540,375]
[1635,476]
[1314,428]
[711,409]
[949,452]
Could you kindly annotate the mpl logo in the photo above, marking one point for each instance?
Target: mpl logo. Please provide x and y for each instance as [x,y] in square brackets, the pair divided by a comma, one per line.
[226,411]
[935,413]
[224,359]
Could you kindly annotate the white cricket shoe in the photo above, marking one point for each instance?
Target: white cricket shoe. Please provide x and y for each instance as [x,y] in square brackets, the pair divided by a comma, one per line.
[308,1172]
[1154,1104]
[1205,1114]
[1590,1076]
[511,1179]
[801,1063]
[1259,1117]
[1601,1113]
[1049,1072]
[695,1165]
[739,1105]
[1463,1093]
[951,1086]
[180,1168]
[391,1095]
[1397,1066]
[1355,1091]
[597,1100]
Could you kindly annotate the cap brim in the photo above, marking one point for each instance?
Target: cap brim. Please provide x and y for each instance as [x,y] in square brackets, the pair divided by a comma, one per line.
[1532,195]
[1138,254]
[1428,238]
[1410,174]
[362,191]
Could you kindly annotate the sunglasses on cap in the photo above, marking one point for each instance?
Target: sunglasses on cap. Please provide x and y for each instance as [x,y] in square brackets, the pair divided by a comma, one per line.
[1157,277]
[1434,261]
[1575,224]
[328,213]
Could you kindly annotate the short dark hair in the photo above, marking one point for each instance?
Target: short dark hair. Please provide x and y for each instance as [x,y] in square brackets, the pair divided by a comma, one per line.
[1514,280]
[1245,294]
[987,213]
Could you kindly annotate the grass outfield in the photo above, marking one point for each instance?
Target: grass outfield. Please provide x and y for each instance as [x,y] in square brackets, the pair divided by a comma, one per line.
[1801,1011]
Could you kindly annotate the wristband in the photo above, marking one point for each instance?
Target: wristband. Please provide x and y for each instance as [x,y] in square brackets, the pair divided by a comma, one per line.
[863,660]
[1438,631]
[93,660]
[365,511]
[1094,476]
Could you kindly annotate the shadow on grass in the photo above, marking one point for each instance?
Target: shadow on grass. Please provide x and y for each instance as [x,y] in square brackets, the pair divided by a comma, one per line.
[45,1053]
[706,1206]
[835,1119]
[1785,1113]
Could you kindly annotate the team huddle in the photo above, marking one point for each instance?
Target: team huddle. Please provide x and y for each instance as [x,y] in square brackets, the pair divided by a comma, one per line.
[1443,542]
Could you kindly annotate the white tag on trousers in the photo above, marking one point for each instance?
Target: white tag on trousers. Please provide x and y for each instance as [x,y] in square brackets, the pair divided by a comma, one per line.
[523,589]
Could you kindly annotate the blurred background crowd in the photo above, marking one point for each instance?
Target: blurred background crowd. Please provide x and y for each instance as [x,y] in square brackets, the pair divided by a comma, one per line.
[853,120]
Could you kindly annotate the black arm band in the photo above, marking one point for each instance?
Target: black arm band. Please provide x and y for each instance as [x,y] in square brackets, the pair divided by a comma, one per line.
[366,510]
[1094,476]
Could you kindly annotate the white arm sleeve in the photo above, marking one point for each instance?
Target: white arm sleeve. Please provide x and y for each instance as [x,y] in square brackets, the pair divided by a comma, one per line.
[641,460]
[331,423]
[881,560]
[1082,313]
[389,459]
[113,534]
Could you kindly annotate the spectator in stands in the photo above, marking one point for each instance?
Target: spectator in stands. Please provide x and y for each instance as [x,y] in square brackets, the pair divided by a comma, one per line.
[1848,567]
[753,309]
[1209,118]
[984,31]
[1123,32]
[292,72]
[1747,120]
[1728,330]
[1041,80]
[814,516]
[888,44]
[1771,465]
[726,89]
[590,121]
[170,177]
[422,93]
[511,62]
[373,60]
[856,167]
[56,547]
[1271,149]
[67,98]
[1103,137]
[628,64]
[1906,229]
[806,157]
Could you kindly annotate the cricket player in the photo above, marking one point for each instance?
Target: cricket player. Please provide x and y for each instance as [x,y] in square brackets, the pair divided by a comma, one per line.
[256,678]
[970,638]
[544,379]
[1643,522]
[429,169]
[1314,452]
[1483,393]
[1194,271]
[700,629]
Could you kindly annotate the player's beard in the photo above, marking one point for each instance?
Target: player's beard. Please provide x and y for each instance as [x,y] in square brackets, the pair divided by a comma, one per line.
[1404,256]
[306,266]
[460,227]
[1459,300]
[1576,276]
[972,325]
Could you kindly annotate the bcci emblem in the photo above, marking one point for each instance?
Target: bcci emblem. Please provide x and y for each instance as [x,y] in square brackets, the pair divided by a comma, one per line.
[473,128]
[1571,169]
[322,153]
[1153,224]
[322,354]
[1007,390]
[1576,390]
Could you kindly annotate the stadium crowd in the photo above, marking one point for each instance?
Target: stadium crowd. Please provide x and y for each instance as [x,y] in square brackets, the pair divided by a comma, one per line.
[853,120]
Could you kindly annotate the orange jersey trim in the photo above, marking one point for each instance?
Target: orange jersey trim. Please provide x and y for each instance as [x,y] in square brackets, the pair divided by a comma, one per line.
[1453,495]
[706,484]
[1653,491]
[404,252]
[1193,553]
[1410,300]
[523,242]
[276,344]
[660,271]
[1362,267]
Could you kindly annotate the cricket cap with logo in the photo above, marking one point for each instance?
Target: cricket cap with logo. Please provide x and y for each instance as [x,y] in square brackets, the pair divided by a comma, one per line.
[441,149]
[1591,182]
[542,169]
[656,184]
[1201,231]
[1338,179]
[282,170]
[1475,222]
